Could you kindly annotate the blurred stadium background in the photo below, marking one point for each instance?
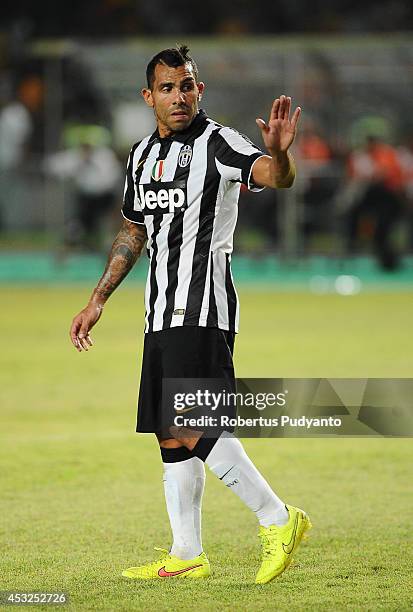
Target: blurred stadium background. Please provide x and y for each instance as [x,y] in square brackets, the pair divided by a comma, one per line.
[70,82]
[324,272]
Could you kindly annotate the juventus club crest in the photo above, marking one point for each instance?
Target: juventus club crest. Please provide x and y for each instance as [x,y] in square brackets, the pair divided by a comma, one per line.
[185,156]
[158,170]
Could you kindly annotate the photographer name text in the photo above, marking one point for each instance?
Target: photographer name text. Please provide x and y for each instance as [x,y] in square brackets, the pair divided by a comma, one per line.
[238,421]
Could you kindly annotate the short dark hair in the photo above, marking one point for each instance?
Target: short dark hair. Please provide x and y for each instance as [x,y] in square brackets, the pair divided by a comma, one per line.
[178,56]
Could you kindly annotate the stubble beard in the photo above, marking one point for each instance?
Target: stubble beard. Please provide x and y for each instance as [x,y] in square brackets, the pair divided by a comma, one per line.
[180,127]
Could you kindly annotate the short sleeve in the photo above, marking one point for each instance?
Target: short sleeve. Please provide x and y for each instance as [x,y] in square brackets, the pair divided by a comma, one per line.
[235,156]
[131,208]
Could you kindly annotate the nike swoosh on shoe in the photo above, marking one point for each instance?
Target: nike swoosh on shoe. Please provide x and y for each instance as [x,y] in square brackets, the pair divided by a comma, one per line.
[165,574]
[289,547]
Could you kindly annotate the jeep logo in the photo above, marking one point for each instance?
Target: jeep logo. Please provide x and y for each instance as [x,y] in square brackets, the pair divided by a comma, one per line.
[161,199]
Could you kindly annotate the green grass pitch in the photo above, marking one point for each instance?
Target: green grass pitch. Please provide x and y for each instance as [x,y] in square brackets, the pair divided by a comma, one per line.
[81,493]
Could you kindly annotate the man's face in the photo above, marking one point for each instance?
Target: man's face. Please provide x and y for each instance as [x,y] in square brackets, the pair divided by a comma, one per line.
[174,97]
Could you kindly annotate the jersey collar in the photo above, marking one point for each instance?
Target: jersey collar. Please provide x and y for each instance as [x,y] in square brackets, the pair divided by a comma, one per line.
[198,121]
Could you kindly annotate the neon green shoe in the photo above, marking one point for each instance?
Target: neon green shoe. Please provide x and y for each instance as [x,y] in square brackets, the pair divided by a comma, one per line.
[279,544]
[169,566]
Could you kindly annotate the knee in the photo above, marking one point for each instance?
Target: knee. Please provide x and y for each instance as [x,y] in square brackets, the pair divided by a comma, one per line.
[168,442]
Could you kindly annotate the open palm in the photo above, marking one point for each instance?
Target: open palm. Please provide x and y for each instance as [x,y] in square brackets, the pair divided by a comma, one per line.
[279,133]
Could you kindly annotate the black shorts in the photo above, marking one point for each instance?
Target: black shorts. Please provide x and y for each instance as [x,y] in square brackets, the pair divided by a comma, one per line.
[180,352]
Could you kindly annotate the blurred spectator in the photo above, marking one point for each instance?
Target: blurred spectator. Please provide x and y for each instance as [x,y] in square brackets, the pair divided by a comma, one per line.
[313,148]
[376,173]
[15,130]
[94,171]
[31,92]
[257,229]
[319,182]
[405,154]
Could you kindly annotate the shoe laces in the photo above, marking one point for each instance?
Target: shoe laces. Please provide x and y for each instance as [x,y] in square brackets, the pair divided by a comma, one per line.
[164,554]
[268,541]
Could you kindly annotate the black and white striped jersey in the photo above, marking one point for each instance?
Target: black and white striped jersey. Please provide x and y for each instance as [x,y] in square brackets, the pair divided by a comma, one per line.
[185,190]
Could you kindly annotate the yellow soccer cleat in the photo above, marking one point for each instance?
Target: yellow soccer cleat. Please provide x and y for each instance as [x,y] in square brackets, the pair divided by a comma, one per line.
[169,566]
[279,544]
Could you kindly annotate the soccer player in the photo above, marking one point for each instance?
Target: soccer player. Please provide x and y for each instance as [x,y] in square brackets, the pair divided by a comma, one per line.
[181,195]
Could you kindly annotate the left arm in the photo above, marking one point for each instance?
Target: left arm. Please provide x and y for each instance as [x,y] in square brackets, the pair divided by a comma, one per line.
[277,170]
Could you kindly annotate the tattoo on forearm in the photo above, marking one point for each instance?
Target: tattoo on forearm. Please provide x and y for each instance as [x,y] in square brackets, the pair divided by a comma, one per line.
[125,251]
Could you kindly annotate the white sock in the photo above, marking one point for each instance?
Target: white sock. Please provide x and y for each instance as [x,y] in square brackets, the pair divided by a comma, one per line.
[184,485]
[229,461]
